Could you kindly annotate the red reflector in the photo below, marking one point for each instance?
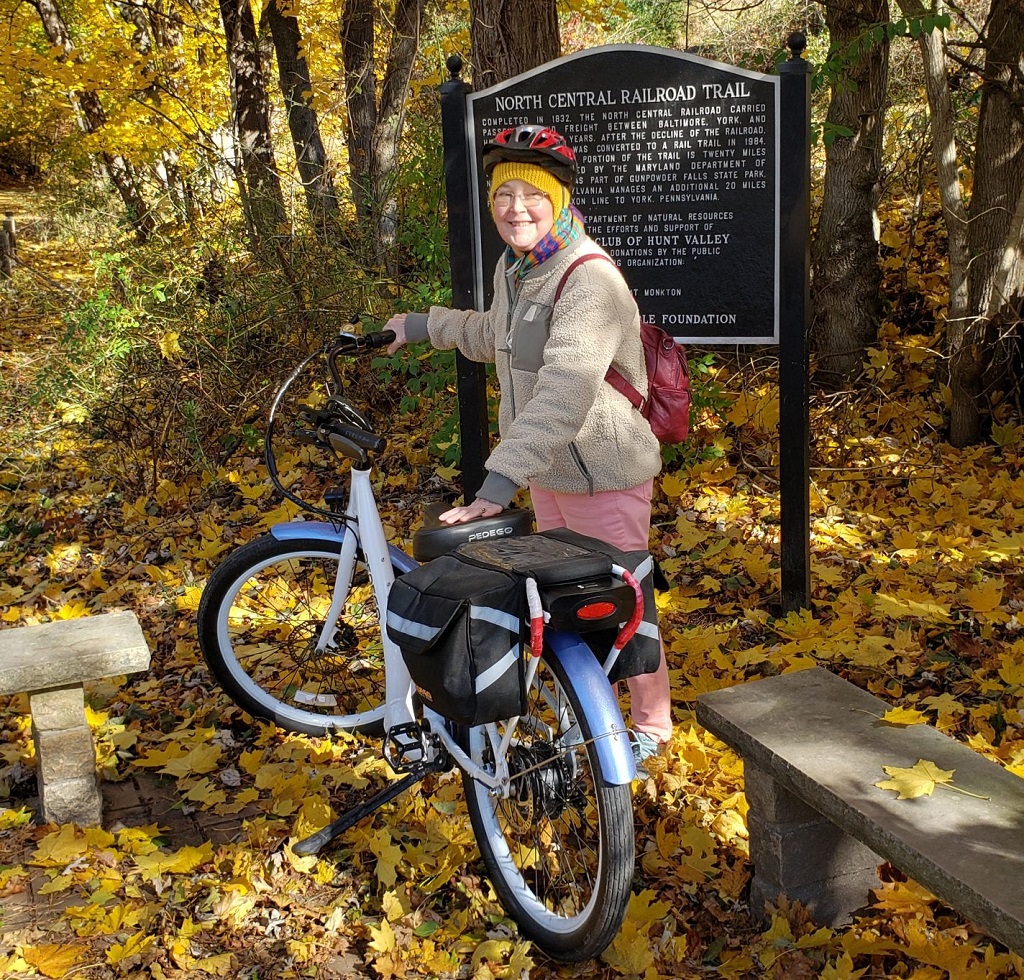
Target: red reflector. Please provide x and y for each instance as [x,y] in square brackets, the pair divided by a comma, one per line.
[596,610]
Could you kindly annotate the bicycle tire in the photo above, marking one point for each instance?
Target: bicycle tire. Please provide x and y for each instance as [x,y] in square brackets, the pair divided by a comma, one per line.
[258,623]
[560,849]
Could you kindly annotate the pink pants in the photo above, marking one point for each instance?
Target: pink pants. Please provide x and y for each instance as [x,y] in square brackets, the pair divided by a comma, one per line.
[623,519]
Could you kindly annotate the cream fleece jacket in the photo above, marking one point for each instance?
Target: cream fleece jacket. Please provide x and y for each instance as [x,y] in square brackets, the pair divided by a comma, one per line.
[562,426]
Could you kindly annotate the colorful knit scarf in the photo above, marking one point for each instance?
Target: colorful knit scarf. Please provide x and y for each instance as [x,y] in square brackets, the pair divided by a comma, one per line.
[567,228]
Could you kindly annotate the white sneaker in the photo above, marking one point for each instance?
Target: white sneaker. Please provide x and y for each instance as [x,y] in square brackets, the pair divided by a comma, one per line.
[643,745]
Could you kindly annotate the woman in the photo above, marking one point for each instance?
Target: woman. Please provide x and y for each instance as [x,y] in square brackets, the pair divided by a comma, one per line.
[587,456]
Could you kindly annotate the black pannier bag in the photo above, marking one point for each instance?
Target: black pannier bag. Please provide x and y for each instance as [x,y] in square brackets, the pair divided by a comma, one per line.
[460,620]
[460,628]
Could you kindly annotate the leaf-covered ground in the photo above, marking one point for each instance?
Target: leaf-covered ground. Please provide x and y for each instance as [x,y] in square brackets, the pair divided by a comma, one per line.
[918,596]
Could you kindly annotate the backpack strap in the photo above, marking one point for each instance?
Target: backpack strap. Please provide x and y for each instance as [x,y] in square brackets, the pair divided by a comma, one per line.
[612,376]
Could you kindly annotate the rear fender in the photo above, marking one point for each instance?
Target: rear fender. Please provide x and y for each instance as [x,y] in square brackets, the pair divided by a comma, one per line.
[599,704]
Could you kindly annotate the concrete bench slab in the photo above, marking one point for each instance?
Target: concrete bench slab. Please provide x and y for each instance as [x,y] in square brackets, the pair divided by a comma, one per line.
[51,663]
[37,658]
[813,747]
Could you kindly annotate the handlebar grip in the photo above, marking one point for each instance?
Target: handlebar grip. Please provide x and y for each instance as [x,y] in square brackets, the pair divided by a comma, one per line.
[347,344]
[380,339]
[308,436]
[362,438]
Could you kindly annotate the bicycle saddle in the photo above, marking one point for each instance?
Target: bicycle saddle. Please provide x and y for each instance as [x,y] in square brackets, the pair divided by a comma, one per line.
[435,539]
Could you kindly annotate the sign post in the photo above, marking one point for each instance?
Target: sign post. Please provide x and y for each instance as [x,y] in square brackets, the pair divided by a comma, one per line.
[471,376]
[794,317]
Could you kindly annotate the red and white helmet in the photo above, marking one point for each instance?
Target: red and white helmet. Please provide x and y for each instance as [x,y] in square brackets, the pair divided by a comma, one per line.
[532,143]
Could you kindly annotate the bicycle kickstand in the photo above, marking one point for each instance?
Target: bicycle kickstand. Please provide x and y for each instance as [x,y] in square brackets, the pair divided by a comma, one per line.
[415,771]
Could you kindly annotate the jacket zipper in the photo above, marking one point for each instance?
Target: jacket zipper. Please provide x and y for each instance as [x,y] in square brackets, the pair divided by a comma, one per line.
[513,299]
[577,457]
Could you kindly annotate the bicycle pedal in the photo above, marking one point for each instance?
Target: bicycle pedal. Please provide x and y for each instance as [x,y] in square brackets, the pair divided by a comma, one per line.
[406,747]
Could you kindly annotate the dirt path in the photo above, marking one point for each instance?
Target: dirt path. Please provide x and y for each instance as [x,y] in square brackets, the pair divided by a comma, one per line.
[28,204]
[51,276]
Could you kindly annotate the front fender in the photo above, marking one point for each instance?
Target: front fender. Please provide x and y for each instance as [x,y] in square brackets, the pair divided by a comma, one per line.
[322,531]
[599,704]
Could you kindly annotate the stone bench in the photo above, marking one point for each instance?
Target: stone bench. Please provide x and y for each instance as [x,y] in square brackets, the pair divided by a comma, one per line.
[51,662]
[813,746]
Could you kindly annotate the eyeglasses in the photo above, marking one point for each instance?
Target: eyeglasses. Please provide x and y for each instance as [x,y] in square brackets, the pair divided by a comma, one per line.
[505,199]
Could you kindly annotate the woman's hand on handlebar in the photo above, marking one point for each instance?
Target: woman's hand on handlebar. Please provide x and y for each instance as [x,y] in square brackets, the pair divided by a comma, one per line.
[470,512]
[396,324]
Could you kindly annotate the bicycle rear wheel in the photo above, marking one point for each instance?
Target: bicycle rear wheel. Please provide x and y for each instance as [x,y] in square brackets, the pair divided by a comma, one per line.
[260,617]
[559,849]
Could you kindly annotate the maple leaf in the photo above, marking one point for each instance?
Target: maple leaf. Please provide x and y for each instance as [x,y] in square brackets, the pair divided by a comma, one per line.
[201,759]
[383,937]
[1012,667]
[218,965]
[60,848]
[842,969]
[53,959]
[919,780]
[135,945]
[985,597]
[182,861]
[904,717]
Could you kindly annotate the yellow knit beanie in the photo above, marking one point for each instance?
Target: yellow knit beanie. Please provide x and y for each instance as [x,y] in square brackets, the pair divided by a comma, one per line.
[542,179]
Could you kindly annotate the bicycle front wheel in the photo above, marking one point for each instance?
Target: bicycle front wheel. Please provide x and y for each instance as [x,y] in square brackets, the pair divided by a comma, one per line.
[261,618]
[559,848]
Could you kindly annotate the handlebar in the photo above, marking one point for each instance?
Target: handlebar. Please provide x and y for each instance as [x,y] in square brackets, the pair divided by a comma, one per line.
[349,344]
[338,426]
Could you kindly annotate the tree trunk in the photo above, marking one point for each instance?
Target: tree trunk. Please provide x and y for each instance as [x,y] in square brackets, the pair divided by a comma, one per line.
[390,119]
[361,100]
[374,130]
[994,274]
[117,170]
[156,30]
[257,177]
[847,277]
[509,37]
[310,156]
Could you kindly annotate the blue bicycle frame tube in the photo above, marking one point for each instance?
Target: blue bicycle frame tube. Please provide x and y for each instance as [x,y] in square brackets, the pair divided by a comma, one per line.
[614,754]
[322,531]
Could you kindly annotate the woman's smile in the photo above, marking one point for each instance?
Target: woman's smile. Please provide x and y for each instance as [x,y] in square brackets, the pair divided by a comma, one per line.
[523,215]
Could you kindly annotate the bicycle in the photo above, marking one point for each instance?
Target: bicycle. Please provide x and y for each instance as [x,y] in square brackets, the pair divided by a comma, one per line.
[291,626]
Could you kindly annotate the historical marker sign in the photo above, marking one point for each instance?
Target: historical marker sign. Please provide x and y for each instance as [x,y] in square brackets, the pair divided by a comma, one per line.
[679,177]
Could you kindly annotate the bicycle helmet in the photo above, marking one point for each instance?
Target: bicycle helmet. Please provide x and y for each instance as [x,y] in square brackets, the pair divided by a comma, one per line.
[532,143]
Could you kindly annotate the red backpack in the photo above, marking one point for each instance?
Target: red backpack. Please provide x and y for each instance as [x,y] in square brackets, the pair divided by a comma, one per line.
[667,406]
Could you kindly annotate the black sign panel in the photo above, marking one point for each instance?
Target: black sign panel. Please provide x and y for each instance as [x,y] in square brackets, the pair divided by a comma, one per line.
[678,180]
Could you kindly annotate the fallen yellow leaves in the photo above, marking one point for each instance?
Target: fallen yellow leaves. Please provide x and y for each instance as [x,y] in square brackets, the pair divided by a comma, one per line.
[916,595]
[183,861]
[632,951]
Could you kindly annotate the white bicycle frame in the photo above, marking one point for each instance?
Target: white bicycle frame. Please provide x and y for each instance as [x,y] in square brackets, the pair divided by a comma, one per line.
[364,532]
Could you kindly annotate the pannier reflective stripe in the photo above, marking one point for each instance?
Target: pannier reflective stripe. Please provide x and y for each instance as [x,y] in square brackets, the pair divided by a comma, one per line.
[649,630]
[497,617]
[411,628]
[421,631]
[495,672]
